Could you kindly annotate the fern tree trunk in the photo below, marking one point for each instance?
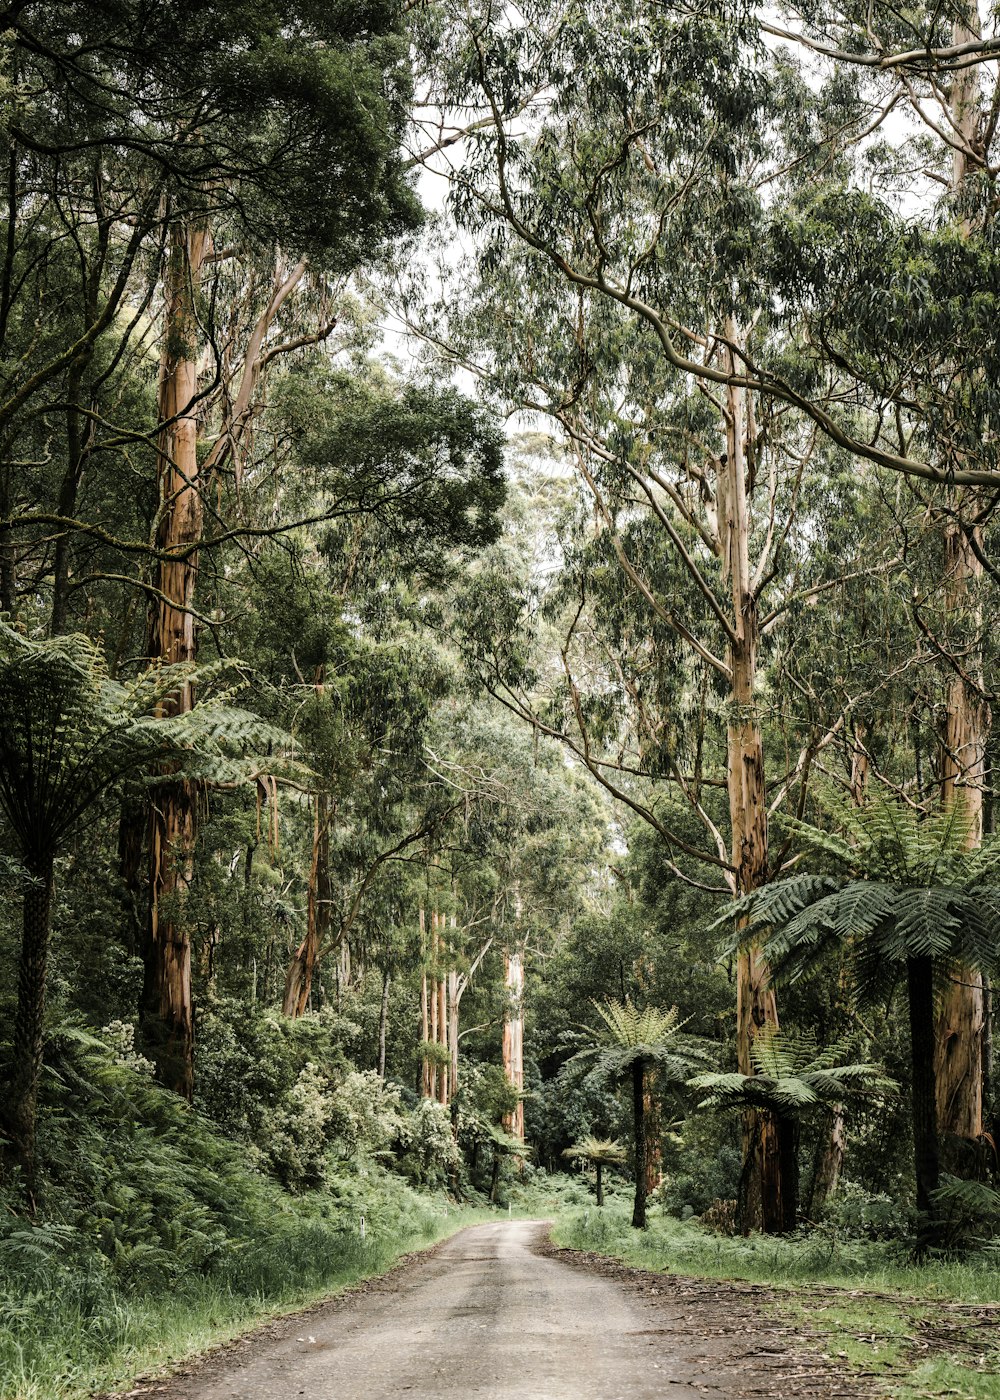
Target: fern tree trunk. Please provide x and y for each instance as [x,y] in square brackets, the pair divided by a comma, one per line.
[639,1129]
[19,1110]
[961,1020]
[169,1017]
[763,1203]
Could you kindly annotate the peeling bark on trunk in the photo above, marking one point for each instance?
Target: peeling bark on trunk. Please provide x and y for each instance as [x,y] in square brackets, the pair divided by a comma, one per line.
[169,1019]
[19,1111]
[763,1197]
[513,1038]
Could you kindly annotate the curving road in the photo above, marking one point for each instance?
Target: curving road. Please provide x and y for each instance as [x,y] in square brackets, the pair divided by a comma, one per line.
[485,1316]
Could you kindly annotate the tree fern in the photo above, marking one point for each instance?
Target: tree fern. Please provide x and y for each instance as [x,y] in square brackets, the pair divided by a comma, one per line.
[905,895]
[70,732]
[629,1044]
[792,1074]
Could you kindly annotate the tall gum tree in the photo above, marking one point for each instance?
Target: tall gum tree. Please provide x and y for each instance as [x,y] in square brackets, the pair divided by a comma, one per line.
[961,1022]
[172,639]
[589,213]
[934,374]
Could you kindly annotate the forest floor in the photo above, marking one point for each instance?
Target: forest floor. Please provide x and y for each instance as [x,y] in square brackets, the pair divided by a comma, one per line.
[499,1312]
[881,1342]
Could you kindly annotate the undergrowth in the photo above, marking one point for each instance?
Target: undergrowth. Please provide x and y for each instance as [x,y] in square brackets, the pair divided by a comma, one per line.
[813,1257]
[154,1237]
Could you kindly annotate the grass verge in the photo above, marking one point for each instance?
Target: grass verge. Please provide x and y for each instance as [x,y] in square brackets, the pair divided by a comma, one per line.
[63,1340]
[918,1332]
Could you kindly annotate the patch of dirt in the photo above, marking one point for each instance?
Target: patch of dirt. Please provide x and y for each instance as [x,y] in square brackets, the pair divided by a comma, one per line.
[751,1315]
[766,1356]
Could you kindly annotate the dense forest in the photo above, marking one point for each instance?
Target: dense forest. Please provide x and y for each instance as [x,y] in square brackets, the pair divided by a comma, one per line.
[498,590]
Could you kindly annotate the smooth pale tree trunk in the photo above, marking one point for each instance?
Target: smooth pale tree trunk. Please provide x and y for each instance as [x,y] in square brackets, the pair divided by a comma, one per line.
[763,1204]
[169,1016]
[426,1086]
[432,991]
[383,1022]
[926,1148]
[20,1108]
[299,977]
[443,1067]
[961,1023]
[639,1129]
[454,1006]
[513,1038]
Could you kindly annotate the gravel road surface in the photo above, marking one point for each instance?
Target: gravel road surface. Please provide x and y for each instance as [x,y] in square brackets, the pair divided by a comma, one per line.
[495,1314]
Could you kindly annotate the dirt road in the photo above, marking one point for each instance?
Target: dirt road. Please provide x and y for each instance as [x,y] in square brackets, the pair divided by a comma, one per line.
[494,1315]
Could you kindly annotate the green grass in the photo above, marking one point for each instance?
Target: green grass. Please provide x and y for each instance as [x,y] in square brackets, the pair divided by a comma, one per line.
[925,1331]
[69,1329]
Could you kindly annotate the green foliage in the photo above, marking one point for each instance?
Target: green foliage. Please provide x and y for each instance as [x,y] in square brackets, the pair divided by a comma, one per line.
[73,731]
[910,888]
[592,1149]
[792,1073]
[648,1036]
[154,1230]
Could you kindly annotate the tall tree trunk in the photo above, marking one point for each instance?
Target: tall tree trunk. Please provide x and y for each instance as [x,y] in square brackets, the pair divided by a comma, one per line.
[600,1182]
[454,1005]
[443,1067]
[299,977]
[513,1038]
[926,1150]
[383,1021]
[763,1203]
[639,1128]
[426,1090]
[960,1029]
[19,1112]
[168,1004]
[961,1023]
[432,992]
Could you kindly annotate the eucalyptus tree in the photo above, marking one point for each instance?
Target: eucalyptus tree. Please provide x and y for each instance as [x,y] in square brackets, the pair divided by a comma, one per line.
[917,331]
[645,178]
